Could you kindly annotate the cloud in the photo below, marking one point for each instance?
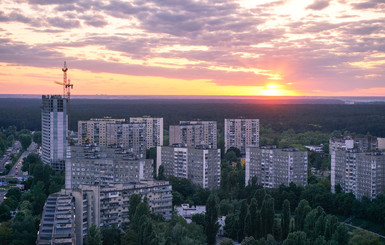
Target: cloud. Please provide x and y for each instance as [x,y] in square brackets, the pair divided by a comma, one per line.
[318,5]
[63,23]
[371,4]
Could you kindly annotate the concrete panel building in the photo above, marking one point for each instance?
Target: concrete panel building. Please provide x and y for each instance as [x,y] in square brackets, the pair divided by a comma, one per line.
[154,129]
[104,165]
[94,131]
[241,133]
[194,133]
[361,173]
[200,165]
[274,167]
[58,220]
[54,126]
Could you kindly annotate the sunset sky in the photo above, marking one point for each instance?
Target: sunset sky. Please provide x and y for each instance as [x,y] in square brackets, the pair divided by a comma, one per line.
[187,47]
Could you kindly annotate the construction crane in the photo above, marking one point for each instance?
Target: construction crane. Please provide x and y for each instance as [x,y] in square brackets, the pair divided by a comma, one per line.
[67,86]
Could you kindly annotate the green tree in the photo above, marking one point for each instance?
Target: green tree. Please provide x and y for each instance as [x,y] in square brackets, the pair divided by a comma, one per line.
[6,233]
[301,211]
[142,210]
[134,201]
[211,218]
[249,241]
[285,220]
[247,230]
[111,235]
[129,238]
[241,218]
[255,223]
[94,237]
[37,137]
[296,238]
[341,236]
[361,237]
[267,215]
[199,219]
[25,140]
[227,241]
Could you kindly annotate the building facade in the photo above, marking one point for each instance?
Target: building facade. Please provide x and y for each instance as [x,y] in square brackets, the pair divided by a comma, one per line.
[94,131]
[54,126]
[241,133]
[201,165]
[361,173]
[194,133]
[154,130]
[274,167]
[57,225]
[104,165]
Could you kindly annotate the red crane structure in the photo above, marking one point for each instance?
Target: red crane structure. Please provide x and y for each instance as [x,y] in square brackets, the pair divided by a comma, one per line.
[67,86]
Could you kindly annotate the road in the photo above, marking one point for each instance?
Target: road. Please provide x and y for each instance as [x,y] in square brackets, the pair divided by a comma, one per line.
[16,169]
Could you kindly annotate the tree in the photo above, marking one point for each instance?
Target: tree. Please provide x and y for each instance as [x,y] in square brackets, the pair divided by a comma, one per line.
[211,218]
[6,232]
[241,217]
[247,230]
[37,137]
[296,238]
[249,241]
[111,235]
[199,219]
[25,140]
[255,222]
[285,220]
[301,211]
[161,173]
[361,237]
[235,150]
[227,241]
[129,238]
[267,215]
[142,210]
[94,237]
[135,199]
[341,236]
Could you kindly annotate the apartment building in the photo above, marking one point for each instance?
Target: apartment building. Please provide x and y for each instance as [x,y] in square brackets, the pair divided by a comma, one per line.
[154,130]
[57,225]
[130,136]
[361,173]
[114,200]
[274,167]
[94,131]
[105,165]
[241,133]
[194,133]
[201,165]
[54,126]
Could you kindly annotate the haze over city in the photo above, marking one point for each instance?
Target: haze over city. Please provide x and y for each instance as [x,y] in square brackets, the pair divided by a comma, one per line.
[253,48]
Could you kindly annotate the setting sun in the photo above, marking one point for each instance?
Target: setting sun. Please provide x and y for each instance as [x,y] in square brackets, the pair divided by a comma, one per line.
[274,90]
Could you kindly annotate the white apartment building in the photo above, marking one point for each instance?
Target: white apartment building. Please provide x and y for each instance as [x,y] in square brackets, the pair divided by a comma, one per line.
[154,130]
[241,133]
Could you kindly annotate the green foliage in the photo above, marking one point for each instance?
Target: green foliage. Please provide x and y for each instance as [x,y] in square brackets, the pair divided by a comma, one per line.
[94,237]
[111,235]
[285,220]
[25,140]
[142,210]
[6,233]
[134,201]
[211,218]
[24,229]
[296,238]
[226,241]
[267,215]
[361,237]
[37,137]
[249,241]
[199,219]
[300,214]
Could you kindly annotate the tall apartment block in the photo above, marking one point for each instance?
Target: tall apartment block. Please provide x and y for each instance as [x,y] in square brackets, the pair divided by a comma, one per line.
[104,165]
[114,200]
[241,133]
[54,124]
[361,173]
[58,220]
[274,167]
[154,129]
[202,166]
[194,133]
[348,142]
[130,136]
[93,131]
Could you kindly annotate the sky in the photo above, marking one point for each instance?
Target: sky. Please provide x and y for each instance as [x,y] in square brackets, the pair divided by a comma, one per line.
[194,47]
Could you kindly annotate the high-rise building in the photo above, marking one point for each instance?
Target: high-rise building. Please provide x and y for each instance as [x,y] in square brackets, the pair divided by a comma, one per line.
[93,131]
[194,133]
[154,129]
[201,165]
[361,173]
[130,136]
[104,165]
[58,220]
[274,167]
[54,124]
[241,133]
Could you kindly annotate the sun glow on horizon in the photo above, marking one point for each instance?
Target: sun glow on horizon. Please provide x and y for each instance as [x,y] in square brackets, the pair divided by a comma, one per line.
[275,90]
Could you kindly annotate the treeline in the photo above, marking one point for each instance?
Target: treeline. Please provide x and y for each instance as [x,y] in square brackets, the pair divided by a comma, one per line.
[360,118]
[23,228]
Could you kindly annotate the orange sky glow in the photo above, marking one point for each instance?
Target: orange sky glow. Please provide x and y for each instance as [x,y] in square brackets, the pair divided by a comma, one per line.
[164,47]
